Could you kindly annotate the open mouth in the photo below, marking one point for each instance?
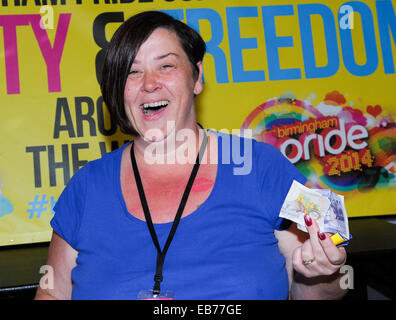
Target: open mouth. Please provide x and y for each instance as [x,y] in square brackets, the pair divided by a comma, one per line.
[152,108]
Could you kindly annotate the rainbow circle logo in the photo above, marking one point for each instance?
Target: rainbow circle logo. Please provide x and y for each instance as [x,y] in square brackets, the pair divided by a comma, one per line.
[334,144]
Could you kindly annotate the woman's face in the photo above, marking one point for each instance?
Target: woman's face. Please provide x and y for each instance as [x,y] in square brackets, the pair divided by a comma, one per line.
[160,88]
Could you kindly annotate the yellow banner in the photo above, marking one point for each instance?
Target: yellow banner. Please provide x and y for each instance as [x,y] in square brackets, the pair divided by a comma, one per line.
[317,80]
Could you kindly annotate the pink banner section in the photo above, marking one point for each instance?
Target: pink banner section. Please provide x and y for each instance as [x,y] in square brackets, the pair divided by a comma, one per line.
[52,54]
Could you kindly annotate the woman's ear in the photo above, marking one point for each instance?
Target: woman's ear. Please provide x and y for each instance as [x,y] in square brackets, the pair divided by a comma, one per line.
[198,87]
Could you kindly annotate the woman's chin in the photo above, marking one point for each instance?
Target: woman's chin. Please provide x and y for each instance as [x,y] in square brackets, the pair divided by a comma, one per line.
[155,134]
[149,138]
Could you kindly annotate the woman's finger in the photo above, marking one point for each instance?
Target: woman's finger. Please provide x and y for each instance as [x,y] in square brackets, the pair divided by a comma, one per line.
[328,257]
[307,255]
[336,256]
[298,263]
[313,230]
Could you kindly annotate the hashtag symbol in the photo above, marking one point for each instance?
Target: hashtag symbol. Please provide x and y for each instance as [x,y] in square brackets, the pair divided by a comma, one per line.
[37,206]
[53,202]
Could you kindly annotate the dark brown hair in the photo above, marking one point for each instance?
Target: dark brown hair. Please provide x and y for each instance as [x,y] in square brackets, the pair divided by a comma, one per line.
[122,51]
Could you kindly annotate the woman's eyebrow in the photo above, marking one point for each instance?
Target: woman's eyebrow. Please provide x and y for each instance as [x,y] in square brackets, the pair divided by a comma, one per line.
[166,55]
[163,56]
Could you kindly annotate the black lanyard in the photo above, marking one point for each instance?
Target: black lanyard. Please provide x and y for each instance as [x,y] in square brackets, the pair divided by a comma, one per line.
[161,253]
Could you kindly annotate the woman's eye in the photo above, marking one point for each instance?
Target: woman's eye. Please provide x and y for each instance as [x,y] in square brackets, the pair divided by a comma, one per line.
[166,66]
[134,73]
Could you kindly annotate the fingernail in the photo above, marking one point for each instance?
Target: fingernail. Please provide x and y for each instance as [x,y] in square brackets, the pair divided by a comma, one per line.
[308,220]
[321,235]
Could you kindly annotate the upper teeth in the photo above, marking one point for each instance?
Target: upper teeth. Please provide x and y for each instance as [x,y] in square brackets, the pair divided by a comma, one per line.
[155,104]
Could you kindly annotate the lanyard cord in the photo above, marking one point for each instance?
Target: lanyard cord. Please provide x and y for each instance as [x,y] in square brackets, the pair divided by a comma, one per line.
[161,253]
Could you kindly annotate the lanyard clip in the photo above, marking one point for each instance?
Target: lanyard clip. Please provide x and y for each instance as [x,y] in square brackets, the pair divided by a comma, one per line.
[157,285]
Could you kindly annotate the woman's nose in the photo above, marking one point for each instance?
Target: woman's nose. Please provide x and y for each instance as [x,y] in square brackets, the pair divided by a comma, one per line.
[151,82]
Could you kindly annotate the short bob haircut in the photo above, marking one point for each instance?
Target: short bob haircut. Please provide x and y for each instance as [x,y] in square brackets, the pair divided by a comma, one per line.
[122,51]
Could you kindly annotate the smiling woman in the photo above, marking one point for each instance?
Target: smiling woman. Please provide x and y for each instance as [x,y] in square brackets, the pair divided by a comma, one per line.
[214,219]
[160,86]
[118,63]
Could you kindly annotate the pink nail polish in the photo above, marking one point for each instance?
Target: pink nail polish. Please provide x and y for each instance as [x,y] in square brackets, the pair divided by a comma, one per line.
[308,220]
[321,235]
